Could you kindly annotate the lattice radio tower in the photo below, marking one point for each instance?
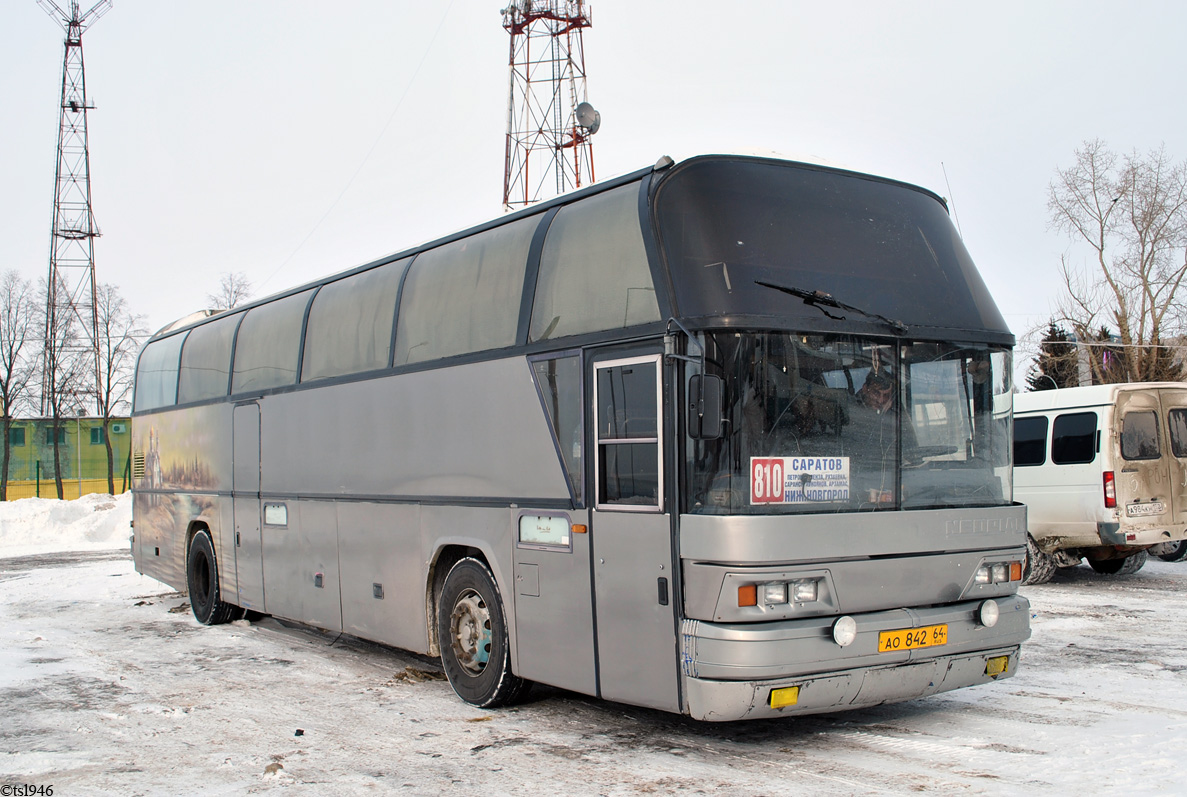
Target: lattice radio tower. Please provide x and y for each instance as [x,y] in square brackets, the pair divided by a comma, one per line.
[549,121]
[71,319]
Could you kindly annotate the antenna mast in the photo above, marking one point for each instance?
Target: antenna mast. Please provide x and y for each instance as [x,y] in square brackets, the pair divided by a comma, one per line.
[549,121]
[71,319]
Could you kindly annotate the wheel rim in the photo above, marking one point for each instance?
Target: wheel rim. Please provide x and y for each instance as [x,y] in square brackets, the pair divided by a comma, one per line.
[470,636]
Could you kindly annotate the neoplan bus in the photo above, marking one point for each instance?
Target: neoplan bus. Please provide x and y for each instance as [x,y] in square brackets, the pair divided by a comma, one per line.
[1103,472]
[730,438]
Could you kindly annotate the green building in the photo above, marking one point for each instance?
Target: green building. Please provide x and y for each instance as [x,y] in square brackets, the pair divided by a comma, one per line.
[81,454]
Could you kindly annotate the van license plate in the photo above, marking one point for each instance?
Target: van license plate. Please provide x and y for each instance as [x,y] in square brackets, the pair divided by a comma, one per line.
[912,638]
[1142,510]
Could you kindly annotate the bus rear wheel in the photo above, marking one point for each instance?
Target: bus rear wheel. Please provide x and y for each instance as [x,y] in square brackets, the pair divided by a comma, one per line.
[1120,567]
[472,629]
[202,580]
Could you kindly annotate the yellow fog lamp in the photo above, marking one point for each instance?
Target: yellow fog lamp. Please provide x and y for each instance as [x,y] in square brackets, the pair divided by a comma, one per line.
[996,666]
[787,696]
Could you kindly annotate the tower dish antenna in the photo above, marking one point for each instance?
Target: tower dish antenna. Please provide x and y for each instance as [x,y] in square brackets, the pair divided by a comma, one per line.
[588,118]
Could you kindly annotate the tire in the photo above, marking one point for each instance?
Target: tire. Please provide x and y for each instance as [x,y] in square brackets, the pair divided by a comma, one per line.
[472,629]
[1177,555]
[202,580]
[1120,567]
[1039,567]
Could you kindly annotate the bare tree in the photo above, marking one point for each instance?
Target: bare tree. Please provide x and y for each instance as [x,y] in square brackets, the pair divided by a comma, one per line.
[17,365]
[120,333]
[67,372]
[1131,211]
[233,290]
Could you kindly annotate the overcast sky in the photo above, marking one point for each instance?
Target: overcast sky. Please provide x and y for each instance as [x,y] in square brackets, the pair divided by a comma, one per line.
[288,139]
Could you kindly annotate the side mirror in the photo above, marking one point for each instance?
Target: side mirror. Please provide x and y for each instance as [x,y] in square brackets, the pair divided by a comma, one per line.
[706,395]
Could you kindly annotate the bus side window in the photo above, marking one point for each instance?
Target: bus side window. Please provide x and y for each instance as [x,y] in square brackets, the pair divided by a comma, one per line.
[1073,438]
[594,273]
[559,382]
[1030,441]
[156,373]
[350,324]
[465,296]
[268,343]
[206,360]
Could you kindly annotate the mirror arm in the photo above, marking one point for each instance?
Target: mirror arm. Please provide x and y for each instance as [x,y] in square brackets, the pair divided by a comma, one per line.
[670,345]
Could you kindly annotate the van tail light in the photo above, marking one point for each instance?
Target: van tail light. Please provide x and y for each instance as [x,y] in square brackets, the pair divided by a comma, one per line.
[1110,491]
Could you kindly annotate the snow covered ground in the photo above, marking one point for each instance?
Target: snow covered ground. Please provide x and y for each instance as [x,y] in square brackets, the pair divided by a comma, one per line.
[109,686]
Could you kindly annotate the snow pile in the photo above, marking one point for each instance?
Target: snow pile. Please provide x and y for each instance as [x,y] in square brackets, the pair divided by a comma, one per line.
[42,525]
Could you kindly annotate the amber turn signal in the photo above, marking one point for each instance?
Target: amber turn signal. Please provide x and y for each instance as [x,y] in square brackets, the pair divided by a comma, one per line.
[748,595]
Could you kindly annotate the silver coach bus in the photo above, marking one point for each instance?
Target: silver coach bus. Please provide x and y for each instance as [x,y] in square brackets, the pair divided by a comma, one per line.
[730,438]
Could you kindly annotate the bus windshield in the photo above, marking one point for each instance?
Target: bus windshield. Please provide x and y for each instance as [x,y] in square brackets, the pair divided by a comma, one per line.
[844,423]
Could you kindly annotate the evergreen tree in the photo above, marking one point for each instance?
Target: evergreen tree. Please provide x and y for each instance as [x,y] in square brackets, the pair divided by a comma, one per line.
[1057,364]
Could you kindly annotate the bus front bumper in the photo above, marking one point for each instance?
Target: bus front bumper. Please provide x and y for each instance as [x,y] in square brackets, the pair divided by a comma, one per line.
[730,672]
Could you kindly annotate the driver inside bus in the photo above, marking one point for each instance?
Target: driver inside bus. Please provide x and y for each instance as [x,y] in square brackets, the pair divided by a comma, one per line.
[877,393]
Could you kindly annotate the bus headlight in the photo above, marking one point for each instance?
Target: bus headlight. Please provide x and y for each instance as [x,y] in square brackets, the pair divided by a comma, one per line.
[844,631]
[803,591]
[774,594]
[998,573]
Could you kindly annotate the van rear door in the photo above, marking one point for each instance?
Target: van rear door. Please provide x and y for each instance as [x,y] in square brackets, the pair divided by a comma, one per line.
[1174,405]
[1143,483]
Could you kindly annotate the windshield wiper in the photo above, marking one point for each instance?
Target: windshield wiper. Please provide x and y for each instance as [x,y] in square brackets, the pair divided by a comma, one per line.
[821,300]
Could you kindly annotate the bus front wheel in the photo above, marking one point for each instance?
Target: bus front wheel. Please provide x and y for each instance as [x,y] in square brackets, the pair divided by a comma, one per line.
[472,628]
[202,580]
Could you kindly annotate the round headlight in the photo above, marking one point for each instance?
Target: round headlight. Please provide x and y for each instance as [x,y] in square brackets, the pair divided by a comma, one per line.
[988,614]
[844,631]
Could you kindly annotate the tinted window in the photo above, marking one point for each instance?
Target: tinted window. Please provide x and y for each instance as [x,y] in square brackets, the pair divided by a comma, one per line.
[1177,420]
[206,360]
[1030,441]
[884,247]
[1139,435]
[350,324]
[1073,438]
[268,344]
[593,270]
[156,373]
[559,383]
[16,436]
[628,445]
[465,296]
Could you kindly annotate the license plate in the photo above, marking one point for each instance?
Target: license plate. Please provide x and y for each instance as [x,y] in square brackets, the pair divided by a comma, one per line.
[912,638]
[1141,510]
